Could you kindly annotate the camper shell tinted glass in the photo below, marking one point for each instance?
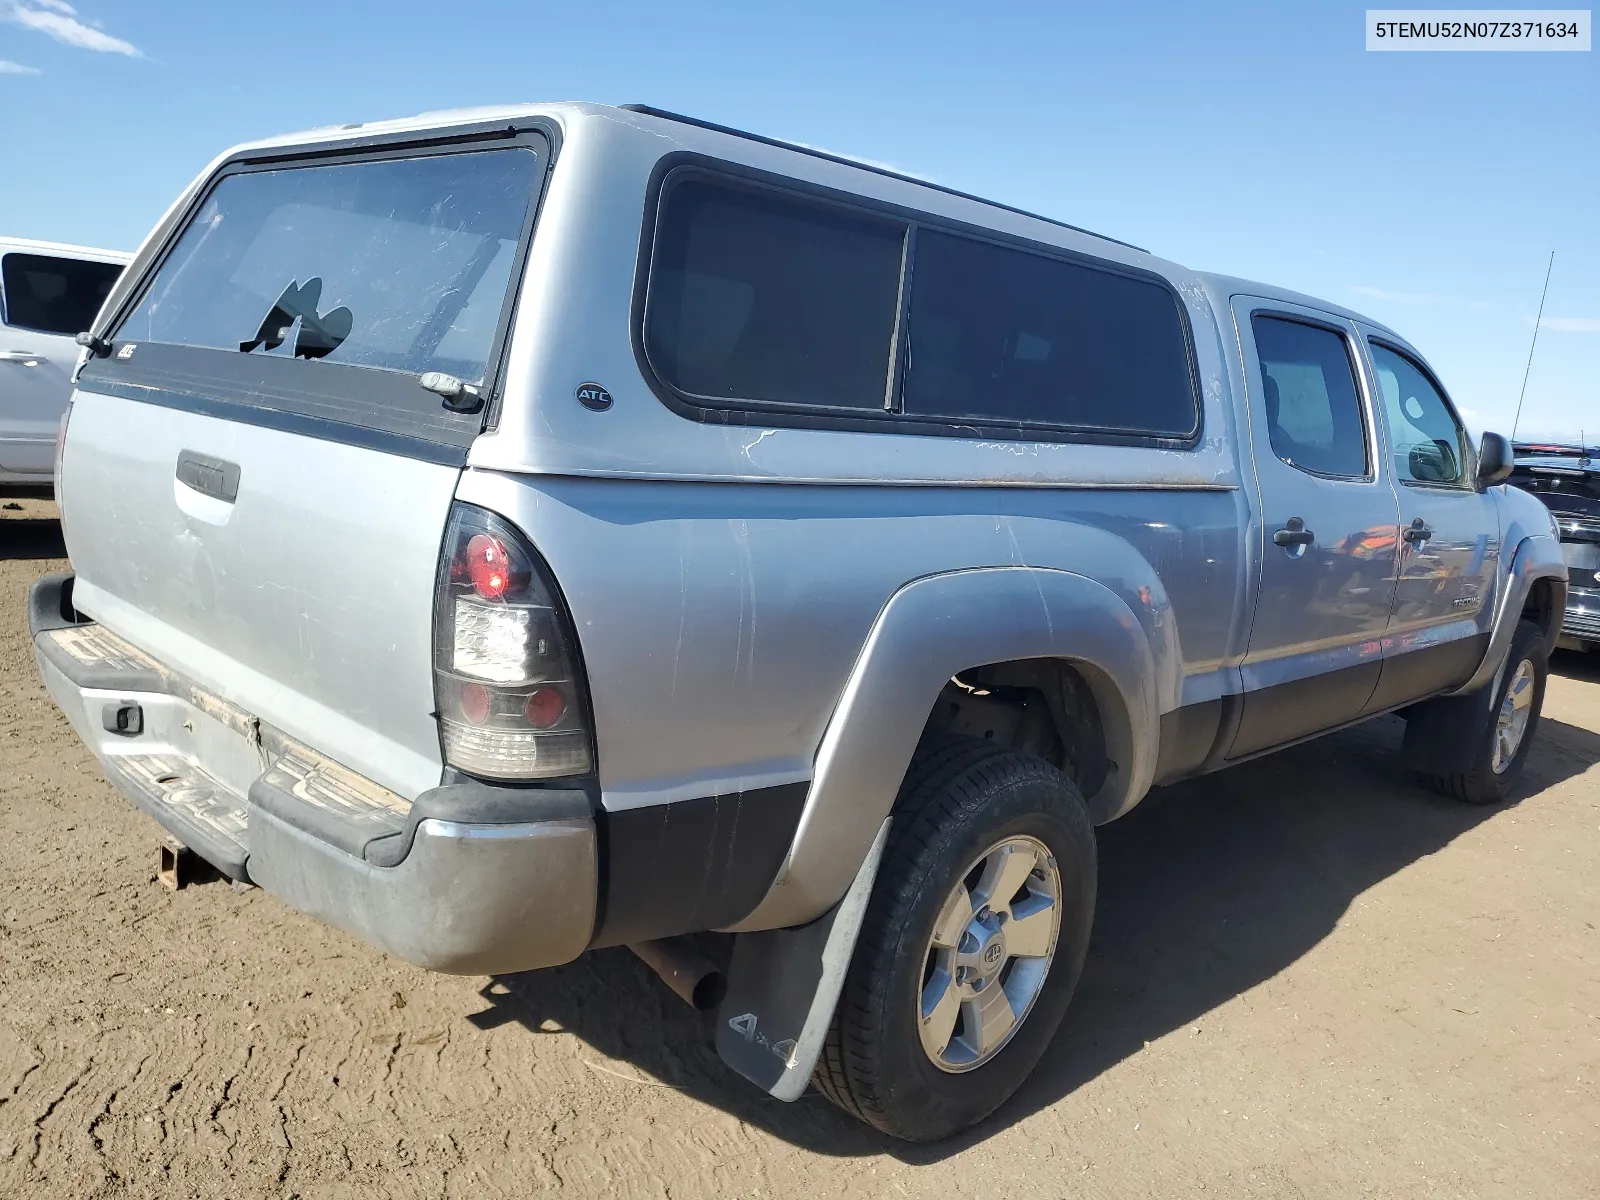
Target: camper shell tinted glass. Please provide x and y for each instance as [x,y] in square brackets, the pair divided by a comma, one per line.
[769,301]
[322,289]
[999,334]
[773,299]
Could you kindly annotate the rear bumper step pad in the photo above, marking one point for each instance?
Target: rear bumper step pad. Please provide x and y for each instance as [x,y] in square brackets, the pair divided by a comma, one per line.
[295,783]
[187,803]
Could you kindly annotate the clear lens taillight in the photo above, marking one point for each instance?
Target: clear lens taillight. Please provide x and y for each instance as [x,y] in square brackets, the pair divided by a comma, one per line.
[510,700]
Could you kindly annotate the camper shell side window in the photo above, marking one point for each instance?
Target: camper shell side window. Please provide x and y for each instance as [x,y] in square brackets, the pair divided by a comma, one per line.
[766,300]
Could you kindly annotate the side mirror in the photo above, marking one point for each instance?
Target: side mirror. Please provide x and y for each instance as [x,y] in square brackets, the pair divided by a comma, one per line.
[1494,460]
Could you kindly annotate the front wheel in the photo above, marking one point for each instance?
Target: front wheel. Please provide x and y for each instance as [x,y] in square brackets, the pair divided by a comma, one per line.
[972,943]
[1514,706]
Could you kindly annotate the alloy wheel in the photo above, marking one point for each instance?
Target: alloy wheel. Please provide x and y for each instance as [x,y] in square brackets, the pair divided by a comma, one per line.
[989,953]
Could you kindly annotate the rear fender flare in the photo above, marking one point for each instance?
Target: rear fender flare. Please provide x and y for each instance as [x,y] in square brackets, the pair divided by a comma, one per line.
[936,627]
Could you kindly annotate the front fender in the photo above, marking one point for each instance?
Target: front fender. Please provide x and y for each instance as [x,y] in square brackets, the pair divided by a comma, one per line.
[937,627]
[1536,557]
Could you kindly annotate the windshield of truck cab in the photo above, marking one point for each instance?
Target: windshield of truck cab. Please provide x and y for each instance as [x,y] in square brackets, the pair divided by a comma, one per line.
[400,263]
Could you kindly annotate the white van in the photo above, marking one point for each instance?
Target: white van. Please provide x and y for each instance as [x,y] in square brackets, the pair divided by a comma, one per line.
[49,294]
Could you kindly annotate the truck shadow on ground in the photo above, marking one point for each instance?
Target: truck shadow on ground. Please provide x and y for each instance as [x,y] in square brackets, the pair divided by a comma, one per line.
[1206,889]
[31,538]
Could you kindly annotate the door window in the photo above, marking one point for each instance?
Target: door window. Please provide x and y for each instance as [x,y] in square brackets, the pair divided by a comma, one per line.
[1313,409]
[54,295]
[1427,441]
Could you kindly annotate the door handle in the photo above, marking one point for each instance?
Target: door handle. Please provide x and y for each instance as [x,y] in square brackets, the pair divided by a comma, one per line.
[25,357]
[1294,533]
[214,477]
[1417,531]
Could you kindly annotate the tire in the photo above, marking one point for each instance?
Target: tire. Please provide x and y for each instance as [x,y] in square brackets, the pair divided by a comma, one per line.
[1484,781]
[961,797]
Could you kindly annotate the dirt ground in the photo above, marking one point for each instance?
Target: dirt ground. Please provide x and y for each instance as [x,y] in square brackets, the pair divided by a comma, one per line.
[1309,978]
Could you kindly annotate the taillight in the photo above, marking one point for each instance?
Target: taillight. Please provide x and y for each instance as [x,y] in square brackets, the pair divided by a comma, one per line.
[488,566]
[511,704]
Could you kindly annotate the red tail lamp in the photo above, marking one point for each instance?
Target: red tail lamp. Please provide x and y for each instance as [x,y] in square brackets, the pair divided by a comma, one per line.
[475,703]
[488,566]
[544,707]
[511,704]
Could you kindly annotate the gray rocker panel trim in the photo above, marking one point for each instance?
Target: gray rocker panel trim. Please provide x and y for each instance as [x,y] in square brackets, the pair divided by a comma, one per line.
[934,628]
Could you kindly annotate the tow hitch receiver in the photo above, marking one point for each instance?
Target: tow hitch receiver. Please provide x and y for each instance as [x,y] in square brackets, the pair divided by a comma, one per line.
[174,863]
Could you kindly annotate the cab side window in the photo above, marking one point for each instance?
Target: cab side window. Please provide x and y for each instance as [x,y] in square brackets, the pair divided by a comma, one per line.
[1427,441]
[1309,391]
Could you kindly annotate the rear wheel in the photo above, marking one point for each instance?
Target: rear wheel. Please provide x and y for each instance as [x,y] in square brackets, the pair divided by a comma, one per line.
[972,944]
[1514,705]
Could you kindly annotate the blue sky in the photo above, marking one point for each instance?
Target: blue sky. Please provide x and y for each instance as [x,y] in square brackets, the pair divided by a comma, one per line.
[1426,190]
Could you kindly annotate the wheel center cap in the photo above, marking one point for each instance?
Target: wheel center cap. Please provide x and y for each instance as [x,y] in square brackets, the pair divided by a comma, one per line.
[983,954]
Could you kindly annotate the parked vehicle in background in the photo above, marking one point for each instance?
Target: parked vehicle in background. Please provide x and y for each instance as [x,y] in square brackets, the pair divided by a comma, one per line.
[510,532]
[1567,479]
[49,294]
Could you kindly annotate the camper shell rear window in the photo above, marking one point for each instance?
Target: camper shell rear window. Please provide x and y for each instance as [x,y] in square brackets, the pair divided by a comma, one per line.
[321,290]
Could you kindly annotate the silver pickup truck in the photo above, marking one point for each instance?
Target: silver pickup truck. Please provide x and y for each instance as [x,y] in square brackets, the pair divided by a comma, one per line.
[505,533]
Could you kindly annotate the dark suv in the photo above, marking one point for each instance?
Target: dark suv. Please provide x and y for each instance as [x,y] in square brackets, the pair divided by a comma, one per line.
[1567,479]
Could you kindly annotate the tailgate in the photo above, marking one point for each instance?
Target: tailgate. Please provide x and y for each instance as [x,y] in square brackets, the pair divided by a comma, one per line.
[254,483]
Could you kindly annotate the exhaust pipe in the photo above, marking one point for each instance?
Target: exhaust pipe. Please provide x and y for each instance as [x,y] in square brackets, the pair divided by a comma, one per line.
[685,970]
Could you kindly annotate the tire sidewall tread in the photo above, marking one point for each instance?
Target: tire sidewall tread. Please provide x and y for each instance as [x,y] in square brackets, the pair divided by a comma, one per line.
[960,796]
[1480,783]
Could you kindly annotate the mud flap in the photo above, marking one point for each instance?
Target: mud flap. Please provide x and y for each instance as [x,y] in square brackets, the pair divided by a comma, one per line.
[783,986]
